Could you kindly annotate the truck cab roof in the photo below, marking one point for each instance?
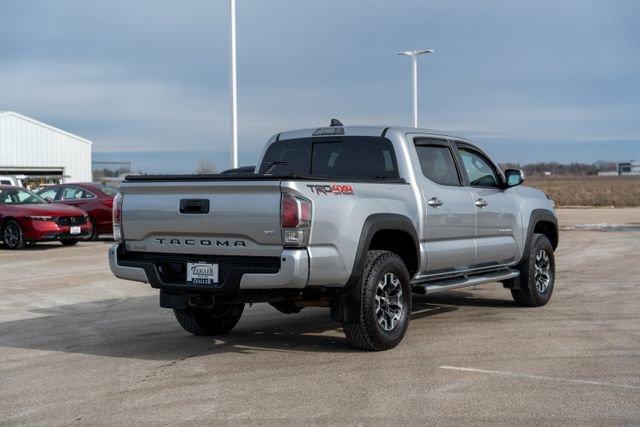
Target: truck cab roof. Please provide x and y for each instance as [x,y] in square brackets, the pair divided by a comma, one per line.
[361,131]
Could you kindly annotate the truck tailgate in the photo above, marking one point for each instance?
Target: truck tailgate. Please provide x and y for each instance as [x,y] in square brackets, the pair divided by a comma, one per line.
[243,217]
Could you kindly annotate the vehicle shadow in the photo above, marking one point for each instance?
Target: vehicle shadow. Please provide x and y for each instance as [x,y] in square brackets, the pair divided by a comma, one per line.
[460,298]
[42,246]
[136,327]
[36,247]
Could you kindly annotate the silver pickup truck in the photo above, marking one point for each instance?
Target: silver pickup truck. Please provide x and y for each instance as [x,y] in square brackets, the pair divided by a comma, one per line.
[347,217]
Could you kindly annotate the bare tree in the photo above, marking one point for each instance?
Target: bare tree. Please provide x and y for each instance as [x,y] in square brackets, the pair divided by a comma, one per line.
[205,167]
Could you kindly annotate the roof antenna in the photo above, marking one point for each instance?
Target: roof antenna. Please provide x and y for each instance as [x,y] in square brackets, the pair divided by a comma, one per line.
[336,122]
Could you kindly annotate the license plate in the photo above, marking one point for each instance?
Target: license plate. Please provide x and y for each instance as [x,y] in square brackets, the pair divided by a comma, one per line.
[202,273]
[75,230]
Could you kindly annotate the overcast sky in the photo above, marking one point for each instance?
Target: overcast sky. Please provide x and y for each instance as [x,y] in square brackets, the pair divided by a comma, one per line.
[148,81]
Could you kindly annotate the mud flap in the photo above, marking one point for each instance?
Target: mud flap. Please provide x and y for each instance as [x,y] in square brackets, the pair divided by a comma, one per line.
[172,300]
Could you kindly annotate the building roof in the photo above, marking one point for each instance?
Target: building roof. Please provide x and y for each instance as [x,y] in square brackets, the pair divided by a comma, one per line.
[51,128]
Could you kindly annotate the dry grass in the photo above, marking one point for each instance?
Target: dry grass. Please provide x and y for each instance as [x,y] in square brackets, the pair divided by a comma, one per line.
[618,191]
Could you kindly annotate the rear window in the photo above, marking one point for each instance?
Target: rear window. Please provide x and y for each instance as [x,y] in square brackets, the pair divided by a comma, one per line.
[361,157]
[109,191]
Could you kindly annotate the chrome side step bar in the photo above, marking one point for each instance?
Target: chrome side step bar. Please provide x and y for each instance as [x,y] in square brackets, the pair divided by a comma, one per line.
[434,286]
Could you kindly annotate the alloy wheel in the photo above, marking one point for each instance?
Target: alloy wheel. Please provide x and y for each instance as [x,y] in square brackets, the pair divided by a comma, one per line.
[388,301]
[11,235]
[542,275]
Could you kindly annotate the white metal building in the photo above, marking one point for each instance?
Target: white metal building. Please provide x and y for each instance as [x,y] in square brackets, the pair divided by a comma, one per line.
[40,153]
[629,168]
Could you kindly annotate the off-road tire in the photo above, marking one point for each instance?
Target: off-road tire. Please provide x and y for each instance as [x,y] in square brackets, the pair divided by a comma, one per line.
[69,242]
[94,230]
[366,333]
[528,295]
[213,321]
[19,243]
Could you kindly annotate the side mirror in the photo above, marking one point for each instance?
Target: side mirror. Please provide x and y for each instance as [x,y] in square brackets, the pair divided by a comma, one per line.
[48,199]
[513,177]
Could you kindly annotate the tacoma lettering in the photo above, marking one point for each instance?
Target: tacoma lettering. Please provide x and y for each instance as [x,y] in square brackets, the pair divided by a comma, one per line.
[204,242]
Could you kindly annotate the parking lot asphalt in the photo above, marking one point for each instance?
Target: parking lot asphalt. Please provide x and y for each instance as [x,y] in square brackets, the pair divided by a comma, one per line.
[78,345]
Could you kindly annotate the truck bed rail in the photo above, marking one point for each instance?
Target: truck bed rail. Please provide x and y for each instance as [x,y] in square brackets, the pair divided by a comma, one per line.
[256,177]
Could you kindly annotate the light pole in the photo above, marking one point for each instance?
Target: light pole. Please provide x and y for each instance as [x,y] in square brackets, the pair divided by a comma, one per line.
[234,88]
[414,80]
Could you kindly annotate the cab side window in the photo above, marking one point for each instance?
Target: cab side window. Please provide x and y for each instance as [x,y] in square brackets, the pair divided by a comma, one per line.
[436,162]
[479,169]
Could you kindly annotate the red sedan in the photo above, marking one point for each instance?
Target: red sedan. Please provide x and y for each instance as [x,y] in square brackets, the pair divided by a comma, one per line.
[25,218]
[95,199]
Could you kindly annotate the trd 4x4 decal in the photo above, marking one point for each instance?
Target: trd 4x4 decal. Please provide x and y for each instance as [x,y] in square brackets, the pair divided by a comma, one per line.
[337,189]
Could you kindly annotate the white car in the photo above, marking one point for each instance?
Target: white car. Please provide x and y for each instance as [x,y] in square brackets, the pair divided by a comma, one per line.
[10,180]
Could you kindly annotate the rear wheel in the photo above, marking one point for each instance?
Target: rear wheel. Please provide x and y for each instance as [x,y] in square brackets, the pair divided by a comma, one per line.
[12,235]
[94,228]
[212,321]
[69,242]
[537,274]
[385,304]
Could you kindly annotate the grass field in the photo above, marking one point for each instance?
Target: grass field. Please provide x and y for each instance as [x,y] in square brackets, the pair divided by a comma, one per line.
[618,191]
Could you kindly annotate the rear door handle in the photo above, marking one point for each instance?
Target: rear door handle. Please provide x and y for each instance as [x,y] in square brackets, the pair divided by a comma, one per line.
[434,202]
[481,203]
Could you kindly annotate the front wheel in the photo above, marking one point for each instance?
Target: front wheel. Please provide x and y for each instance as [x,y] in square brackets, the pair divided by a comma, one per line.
[537,274]
[13,236]
[385,305]
[212,321]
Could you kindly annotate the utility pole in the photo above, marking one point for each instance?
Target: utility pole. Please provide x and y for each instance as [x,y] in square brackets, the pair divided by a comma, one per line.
[234,88]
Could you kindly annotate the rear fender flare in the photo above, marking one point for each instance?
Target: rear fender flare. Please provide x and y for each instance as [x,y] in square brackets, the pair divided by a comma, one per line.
[350,298]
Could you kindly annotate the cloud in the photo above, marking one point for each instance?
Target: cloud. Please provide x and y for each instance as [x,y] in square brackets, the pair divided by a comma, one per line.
[152,76]
[100,102]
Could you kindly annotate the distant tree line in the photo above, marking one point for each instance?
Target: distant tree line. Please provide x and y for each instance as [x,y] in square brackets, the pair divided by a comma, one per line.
[205,167]
[109,173]
[562,169]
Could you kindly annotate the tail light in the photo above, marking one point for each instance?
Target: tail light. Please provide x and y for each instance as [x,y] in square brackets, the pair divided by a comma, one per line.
[118,235]
[295,218]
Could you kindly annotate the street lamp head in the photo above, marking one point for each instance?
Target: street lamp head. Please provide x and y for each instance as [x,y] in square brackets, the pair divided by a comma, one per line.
[415,52]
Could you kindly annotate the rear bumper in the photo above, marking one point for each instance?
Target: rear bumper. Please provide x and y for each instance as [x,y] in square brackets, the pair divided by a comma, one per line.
[291,272]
